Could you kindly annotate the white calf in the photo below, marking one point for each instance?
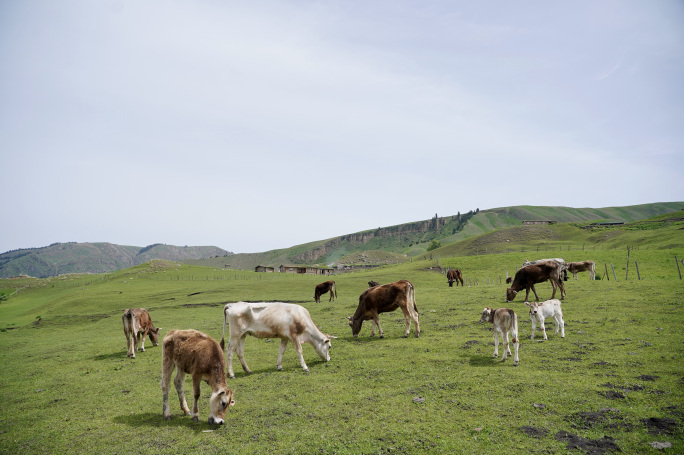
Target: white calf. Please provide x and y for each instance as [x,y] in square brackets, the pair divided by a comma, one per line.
[505,321]
[540,311]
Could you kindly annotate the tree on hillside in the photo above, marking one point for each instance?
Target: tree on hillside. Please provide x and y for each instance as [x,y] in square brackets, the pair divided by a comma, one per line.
[434,245]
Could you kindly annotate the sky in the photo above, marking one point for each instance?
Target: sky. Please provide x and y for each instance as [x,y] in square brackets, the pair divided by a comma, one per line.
[254,126]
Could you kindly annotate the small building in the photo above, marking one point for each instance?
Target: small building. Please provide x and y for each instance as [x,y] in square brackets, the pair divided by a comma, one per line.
[264,268]
[306,270]
[536,222]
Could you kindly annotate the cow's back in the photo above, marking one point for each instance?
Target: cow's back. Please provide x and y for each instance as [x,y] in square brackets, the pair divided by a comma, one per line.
[384,298]
[193,351]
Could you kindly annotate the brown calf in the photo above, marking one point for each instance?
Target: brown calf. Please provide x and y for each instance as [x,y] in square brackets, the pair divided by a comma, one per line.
[197,354]
[383,299]
[584,266]
[137,324]
[323,288]
[454,275]
[505,321]
[528,276]
[373,284]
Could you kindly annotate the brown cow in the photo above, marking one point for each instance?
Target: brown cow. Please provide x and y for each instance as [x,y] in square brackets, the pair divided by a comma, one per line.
[505,321]
[138,324]
[372,284]
[454,275]
[323,288]
[584,266]
[199,355]
[528,276]
[383,299]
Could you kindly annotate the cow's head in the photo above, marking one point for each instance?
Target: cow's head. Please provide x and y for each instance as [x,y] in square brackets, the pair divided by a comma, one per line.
[154,335]
[487,315]
[355,325]
[323,347]
[510,294]
[219,403]
[534,307]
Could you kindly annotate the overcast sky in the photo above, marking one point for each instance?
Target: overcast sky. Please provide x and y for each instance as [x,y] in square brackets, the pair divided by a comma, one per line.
[260,125]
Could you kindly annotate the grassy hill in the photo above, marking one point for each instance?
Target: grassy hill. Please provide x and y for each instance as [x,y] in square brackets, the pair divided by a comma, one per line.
[63,258]
[412,239]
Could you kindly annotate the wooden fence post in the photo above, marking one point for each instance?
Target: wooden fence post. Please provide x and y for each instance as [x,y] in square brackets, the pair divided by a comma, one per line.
[627,271]
[678,270]
[636,264]
[611,266]
[607,271]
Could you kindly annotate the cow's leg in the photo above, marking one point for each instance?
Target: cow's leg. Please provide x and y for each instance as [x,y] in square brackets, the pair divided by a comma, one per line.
[167,369]
[298,348]
[281,351]
[562,288]
[535,294]
[196,381]
[560,323]
[407,317]
[496,343]
[543,328]
[376,319]
[554,286]
[129,345]
[516,345]
[241,353]
[142,334]
[331,296]
[179,381]
[372,328]
[506,346]
[230,350]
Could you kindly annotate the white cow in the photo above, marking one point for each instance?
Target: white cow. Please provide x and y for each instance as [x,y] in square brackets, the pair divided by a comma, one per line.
[286,321]
[505,321]
[548,309]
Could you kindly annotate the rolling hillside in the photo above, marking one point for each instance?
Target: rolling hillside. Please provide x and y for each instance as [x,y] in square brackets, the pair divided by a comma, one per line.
[62,258]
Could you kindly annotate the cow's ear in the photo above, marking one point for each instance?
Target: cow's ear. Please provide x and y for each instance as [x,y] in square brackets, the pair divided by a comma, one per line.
[332,337]
[527,303]
[349,317]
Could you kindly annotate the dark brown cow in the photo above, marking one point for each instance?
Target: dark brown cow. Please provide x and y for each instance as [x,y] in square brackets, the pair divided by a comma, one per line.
[199,355]
[454,275]
[584,266]
[137,324]
[373,284]
[323,288]
[383,299]
[528,276]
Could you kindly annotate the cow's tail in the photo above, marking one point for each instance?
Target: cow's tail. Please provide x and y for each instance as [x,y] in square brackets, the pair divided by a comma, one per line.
[334,289]
[514,327]
[411,297]
[128,314]
[223,337]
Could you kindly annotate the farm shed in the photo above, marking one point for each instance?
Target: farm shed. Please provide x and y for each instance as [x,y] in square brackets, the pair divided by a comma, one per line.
[533,222]
[264,268]
[306,269]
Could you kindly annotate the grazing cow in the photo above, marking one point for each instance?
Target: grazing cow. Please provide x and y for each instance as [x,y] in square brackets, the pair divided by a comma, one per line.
[527,277]
[137,325]
[454,275]
[323,288]
[286,321]
[373,284]
[383,299]
[505,322]
[584,266]
[194,353]
[548,309]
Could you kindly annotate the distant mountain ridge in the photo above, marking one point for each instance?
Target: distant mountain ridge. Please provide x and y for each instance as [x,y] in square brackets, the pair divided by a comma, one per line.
[62,258]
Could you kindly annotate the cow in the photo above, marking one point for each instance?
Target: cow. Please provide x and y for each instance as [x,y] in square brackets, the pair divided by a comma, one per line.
[197,354]
[562,273]
[505,322]
[528,276]
[322,289]
[548,309]
[137,324]
[373,284]
[383,299]
[454,275]
[584,266]
[286,321]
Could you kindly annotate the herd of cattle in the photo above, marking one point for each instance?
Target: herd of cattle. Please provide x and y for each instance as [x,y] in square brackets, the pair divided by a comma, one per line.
[197,354]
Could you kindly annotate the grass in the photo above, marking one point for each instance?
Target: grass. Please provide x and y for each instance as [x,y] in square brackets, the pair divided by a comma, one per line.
[68,387]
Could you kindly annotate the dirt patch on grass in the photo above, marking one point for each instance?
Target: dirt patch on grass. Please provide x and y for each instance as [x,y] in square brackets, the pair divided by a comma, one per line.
[534,432]
[658,425]
[590,446]
[609,418]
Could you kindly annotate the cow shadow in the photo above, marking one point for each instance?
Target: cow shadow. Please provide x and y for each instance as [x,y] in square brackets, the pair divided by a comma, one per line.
[157,420]
[111,356]
[486,361]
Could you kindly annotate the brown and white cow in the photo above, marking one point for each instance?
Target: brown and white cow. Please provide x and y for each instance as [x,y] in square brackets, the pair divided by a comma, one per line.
[197,354]
[505,322]
[323,288]
[286,321]
[548,309]
[528,276]
[383,299]
[137,325]
[454,275]
[584,266]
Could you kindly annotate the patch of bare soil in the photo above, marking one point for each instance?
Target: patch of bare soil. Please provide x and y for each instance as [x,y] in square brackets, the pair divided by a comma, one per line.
[606,417]
[590,446]
[657,425]
[534,432]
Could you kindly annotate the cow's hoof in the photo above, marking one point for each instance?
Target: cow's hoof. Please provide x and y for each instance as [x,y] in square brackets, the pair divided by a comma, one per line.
[306,370]
[167,418]
[515,364]
[280,368]
[195,419]
[232,376]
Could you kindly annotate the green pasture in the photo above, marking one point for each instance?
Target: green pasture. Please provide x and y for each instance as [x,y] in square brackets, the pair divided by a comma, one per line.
[616,378]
